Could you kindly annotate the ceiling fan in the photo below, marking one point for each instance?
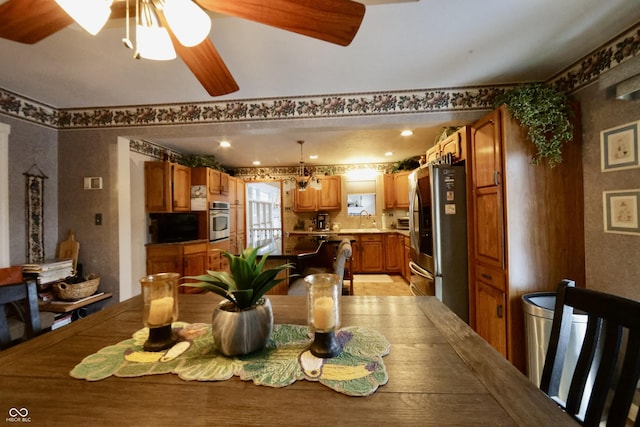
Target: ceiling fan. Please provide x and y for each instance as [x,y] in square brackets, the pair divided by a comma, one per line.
[334,21]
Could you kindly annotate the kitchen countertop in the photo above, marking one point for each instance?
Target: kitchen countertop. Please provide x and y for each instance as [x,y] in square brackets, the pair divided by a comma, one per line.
[440,373]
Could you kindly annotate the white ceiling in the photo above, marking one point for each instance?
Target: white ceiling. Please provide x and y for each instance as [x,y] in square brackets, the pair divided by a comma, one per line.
[400,46]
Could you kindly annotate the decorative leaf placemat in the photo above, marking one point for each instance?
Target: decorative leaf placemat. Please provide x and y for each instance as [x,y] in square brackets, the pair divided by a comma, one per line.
[358,371]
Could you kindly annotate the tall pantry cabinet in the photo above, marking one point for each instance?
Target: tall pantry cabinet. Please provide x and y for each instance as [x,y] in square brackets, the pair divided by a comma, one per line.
[526,227]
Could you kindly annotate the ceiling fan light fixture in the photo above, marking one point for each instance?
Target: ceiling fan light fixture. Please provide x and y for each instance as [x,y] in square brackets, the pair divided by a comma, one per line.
[89,14]
[189,23]
[152,40]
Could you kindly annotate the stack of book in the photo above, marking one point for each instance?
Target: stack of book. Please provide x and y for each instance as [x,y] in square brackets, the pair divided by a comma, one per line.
[47,273]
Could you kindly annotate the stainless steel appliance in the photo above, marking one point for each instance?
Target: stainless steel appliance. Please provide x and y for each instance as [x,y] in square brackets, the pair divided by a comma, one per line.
[218,221]
[438,230]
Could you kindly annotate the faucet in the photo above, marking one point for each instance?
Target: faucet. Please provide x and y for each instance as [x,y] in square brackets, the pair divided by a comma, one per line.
[368,215]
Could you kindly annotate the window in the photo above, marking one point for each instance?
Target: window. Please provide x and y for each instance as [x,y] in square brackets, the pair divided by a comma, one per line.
[361,195]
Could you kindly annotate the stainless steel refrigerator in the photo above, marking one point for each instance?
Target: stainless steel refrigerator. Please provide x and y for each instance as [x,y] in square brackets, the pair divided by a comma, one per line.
[438,228]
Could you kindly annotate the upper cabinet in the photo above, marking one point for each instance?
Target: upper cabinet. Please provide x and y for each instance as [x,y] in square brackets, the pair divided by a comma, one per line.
[167,187]
[329,198]
[454,147]
[396,190]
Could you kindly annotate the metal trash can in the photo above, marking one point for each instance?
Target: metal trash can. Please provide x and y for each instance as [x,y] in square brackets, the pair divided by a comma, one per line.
[538,318]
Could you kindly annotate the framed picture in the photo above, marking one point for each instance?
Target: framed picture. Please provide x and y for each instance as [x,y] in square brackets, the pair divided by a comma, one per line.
[621,210]
[619,147]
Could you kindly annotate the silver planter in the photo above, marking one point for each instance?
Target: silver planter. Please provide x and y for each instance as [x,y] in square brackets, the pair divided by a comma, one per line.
[241,332]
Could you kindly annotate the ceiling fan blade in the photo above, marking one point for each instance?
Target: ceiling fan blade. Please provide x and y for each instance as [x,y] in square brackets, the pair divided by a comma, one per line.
[29,21]
[334,21]
[205,63]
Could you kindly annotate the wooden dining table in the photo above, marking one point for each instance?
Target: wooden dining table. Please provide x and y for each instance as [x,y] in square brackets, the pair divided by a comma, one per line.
[440,372]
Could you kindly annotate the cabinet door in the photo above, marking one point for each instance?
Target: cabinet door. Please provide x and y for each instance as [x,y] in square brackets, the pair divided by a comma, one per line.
[330,197]
[486,149]
[224,183]
[240,225]
[491,321]
[181,183]
[164,259]
[213,184]
[451,145]
[305,201]
[406,272]
[371,256]
[240,190]
[355,255]
[157,186]
[194,264]
[393,252]
[389,191]
[433,153]
[402,189]
[489,227]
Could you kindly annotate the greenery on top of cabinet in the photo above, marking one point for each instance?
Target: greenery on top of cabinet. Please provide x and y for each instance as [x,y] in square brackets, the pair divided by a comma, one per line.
[194,161]
[406,165]
[545,113]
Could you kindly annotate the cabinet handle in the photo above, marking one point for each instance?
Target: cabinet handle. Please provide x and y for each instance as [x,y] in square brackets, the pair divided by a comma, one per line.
[499,311]
[496,177]
[486,276]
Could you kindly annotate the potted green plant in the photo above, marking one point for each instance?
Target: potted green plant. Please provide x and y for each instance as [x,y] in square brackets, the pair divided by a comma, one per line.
[545,113]
[242,323]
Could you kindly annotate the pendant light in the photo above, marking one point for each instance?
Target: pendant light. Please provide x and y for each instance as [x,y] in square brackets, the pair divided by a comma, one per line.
[302,180]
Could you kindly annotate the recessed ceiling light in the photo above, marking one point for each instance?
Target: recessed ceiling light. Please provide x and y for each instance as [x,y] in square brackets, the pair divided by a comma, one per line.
[388,153]
[225,144]
[256,162]
[313,156]
[406,132]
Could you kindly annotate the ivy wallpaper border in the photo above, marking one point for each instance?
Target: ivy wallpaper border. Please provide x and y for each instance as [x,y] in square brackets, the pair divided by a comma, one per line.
[580,74]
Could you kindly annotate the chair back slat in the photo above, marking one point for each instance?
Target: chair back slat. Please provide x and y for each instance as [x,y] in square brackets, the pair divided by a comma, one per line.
[610,348]
[589,356]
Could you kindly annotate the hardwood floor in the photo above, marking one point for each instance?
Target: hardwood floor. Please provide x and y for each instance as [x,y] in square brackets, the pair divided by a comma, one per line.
[378,285]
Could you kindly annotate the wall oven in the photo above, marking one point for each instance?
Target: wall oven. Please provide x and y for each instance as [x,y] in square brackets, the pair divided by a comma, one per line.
[218,221]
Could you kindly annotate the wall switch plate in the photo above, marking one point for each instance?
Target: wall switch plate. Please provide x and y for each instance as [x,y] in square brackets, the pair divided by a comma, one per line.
[98,220]
[93,183]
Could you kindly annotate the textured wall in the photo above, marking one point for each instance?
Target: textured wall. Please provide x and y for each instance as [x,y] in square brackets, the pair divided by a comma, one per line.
[31,144]
[612,260]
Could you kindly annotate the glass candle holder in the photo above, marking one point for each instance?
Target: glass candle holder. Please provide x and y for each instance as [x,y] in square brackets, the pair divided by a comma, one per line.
[323,313]
[160,310]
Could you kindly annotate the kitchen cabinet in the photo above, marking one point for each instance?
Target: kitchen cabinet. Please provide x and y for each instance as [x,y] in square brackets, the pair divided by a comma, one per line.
[393,252]
[525,226]
[455,146]
[329,198]
[186,259]
[217,182]
[371,255]
[237,233]
[167,187]
[396,190]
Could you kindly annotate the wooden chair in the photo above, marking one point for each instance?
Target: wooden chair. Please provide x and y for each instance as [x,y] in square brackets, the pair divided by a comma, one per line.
[16,293]
[611,348]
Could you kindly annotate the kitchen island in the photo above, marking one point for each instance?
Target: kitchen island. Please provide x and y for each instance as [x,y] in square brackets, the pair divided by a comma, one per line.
[440,373]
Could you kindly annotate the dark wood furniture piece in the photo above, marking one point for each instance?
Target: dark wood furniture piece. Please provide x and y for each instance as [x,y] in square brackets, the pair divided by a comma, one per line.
[67,306]
[612,321]
[16,293]
[440,373]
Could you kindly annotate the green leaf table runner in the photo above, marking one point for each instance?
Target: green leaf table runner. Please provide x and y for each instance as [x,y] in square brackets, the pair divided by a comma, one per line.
[358,371]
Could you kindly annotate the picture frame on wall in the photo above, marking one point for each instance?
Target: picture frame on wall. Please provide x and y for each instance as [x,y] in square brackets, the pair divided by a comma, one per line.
[621,210]
[619,147]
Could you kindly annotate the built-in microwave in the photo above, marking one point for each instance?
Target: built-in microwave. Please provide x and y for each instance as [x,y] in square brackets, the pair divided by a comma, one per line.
[218,221]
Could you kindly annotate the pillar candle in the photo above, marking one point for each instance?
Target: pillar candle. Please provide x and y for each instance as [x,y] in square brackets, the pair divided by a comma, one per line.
[160,311]
[324,313]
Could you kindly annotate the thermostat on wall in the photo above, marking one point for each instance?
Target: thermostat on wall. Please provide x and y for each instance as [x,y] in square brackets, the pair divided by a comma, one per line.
[93,183]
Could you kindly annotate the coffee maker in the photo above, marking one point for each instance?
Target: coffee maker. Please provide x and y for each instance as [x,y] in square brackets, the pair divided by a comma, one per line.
[322,221]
